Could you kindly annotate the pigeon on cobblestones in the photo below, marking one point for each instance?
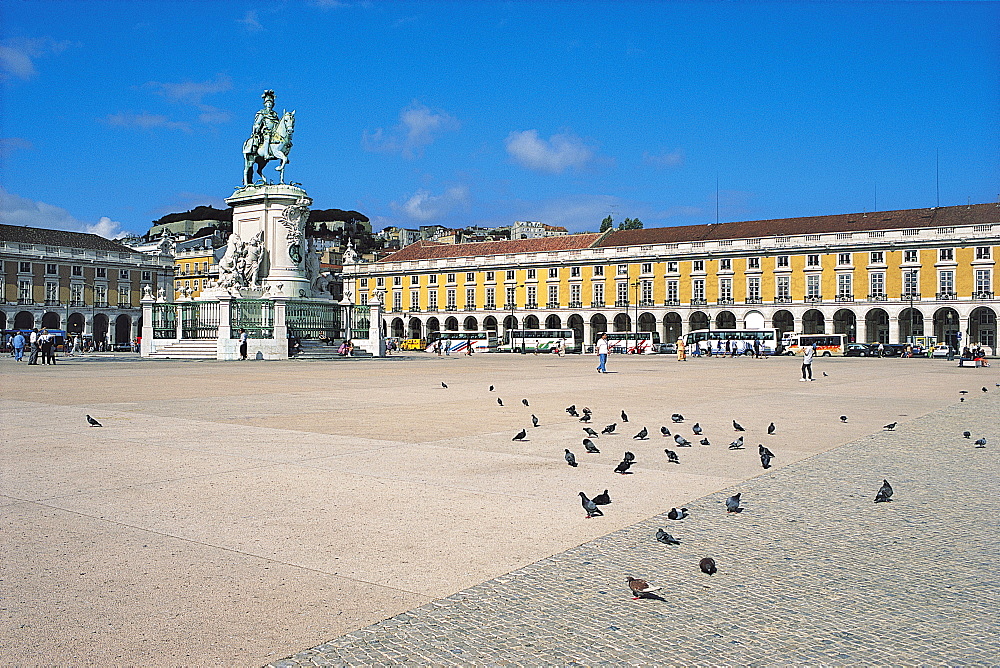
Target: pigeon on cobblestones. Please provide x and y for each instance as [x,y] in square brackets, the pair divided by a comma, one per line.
[500,401]
[629,457]
[707,566]
[610,429]
[765,459]
[586,411]
[444,385]
[570,458]
[623,466]
[572,411]
[891,426]
[733,503]
[624,417]
[737,426]
[93,423]
[764,451]
[590,432]
[640,588]
[641,435]
[520,436]
[681,441]
[677,514]
[589,506]
[884,492]
[677,418]
[591,448]
[770,429]
[967,434]
[534,420]
[980,443]
[524,401]
[602,499]
[664,431]
[843,418]
[586,418]
[985,390]
[491,388]
[672,456]
[705,441]
[666,538]
[737,444]
[696,429]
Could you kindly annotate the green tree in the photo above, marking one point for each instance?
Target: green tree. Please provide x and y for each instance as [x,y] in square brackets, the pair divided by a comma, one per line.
[607,224]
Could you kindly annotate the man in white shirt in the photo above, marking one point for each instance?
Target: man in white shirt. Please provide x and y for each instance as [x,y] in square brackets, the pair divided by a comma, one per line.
[602,352]
[807,363]
[35,347]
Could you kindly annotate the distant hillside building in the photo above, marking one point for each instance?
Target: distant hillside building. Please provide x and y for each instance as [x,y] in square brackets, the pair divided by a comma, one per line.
[533,229]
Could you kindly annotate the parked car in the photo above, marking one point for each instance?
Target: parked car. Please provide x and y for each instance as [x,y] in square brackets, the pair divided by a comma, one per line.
[667,348]
[940,350]
[860,350]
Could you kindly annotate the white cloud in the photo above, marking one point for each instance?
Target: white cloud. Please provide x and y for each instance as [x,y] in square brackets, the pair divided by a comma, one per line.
[667,159]
[250,22]
[423,206]
[18,55]
[418,127]
[144,121]
[191,92]
[17,210]
[561,151]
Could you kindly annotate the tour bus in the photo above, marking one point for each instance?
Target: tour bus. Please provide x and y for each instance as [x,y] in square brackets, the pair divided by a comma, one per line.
[540,340]
[639,343]
[826,344]
[741,339]
[456,342]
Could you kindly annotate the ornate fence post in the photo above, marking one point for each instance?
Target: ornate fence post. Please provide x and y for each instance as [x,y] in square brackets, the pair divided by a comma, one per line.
[281,328]
[147,302]
[225,350]
[375,338]
[179,321]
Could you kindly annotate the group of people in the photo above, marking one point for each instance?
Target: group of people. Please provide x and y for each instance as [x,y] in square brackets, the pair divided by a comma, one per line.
[39,344]
[730,348]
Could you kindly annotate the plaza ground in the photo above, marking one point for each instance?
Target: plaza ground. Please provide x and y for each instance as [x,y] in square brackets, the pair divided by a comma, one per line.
[238,513]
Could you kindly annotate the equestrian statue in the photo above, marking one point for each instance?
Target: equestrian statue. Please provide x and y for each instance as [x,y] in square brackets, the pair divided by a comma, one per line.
[271,139]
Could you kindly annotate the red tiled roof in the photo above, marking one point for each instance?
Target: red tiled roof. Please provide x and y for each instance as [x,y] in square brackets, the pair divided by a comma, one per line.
[950,216]
[426,250]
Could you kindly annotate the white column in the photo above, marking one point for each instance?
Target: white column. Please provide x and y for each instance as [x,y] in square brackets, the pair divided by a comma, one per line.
[376,340]
[894,329]
[147,326]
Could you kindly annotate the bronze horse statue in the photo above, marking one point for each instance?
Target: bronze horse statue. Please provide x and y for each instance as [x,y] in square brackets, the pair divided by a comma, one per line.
[275,146]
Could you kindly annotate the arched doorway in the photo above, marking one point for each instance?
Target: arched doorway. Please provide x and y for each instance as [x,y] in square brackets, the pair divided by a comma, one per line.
[471,324]
[3,320]
[413,329]
[672,326]
[623,323]
[75,323]
[530,322]
[877,326]
[433,327]
[813,322]
[451,324]
[51,320]
[123,330]
[647,322]
[725,320]
[101,329]
[490,323]
[911,323]
[754,320]
[946,326]
[575,322]
[509,323]
[983,328]
[553,322]
[783,321]
[396,327]
[24,320]
[698,320]
[844,322]
[598,325]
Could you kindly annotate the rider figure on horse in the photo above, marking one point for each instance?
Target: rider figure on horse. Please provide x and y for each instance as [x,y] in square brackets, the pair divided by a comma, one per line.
[264,124]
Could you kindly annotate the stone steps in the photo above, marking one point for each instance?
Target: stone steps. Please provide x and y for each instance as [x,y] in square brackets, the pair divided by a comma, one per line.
[191,349]
[313,350]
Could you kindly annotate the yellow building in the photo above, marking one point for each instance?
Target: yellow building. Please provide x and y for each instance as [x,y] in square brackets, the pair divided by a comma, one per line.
[194,268]
[878,276]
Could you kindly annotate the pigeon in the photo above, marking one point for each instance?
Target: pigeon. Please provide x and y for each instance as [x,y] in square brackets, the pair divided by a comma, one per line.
[664,431]
[707,566]
[629,457]
[602,499]
[534,420]
[980,443]
[765,460]
[733,503]
[967,434]
[570,458]
[764,451]
[681,441]
[737,444]
[500,401]
[586,411]
[444,385]
[825,374]
[770,429]
[843,418]
[705,441]
[591,448]
[962,399]
[676,514]
[491,388]
[524,401]
[640,588]
[985,390]
[624,417]
[696,429]
[589,506]
[571,409]
[643,433]
[590,432]
[520,436]
[884,492]
[610,429]
[623,467]
[737,426]
[677,418]
[586,418]
[672,456]
[666,538]
[963,391]
[93,422]
[891,426]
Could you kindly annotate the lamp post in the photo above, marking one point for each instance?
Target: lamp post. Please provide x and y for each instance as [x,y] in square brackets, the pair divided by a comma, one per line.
[635,285]
[911,278]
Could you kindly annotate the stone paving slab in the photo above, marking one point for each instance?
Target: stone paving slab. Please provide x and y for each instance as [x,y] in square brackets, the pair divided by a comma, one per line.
[813,572]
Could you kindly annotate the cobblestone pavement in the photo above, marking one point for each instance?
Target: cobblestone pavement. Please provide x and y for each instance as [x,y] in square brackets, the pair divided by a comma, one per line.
[813,572]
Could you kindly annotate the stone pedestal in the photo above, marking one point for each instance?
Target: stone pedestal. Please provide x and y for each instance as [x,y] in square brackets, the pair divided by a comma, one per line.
[274,210]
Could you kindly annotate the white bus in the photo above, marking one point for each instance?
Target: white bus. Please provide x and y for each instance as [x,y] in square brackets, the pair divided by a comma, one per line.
[456,342]
[826,344]
[540,340]
[634,343]
[724,341]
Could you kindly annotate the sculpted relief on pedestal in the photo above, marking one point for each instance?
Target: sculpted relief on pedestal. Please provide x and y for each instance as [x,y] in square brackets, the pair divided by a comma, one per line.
[240,266]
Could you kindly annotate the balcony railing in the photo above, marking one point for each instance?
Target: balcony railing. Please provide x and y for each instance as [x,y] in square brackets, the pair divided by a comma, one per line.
[623,303]
[509,306]
[724,301]
[671,302]
[597,304]
[490,306]
[699,301]
[646,302]
[784,299]
[813,299]
[101,304]
[754,300]
[77,303]
[552,305]
[450,307]
[470,307]
[982,294]
[531,305]
[52,302]
[576,305]
[946,296]
[25,302]
[878,297]
[845,298]
[414,309]
[432,308]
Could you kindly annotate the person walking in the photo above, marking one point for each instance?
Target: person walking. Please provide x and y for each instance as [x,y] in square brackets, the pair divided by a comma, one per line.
[602,353]
[18,343]
[807,363]
[681,350]
[243,344]
[49,348]
[35,346]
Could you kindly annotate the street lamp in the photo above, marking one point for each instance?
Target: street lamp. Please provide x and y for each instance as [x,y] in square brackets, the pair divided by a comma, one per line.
[513,321]
[636,286]
[911,279]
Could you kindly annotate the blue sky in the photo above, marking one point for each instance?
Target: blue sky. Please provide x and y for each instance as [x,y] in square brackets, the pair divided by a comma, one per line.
[115,113]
